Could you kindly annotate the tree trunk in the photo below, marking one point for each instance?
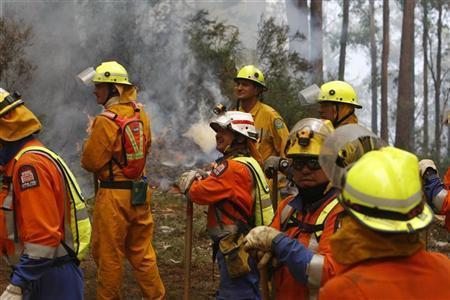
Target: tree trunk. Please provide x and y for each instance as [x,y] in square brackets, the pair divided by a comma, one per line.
[437,87]
[425,78]
[343,41]
[384,73]
[316,55]
[405,106]
[304,26]
[373,59]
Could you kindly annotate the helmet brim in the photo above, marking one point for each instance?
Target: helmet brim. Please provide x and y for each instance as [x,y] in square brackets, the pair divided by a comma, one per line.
[418,222]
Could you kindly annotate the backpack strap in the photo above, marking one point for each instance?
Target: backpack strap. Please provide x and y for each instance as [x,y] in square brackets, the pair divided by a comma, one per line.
[243,226]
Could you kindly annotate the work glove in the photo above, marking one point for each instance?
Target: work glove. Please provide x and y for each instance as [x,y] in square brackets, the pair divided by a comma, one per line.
[260,238]
[425,164]
[186,179]
[273,164]
[12,292]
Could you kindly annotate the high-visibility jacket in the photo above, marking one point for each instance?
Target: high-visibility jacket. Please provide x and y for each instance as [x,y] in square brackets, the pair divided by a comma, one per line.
[36,227]
[422,275]
[232,181]
[313,230]
[272,130]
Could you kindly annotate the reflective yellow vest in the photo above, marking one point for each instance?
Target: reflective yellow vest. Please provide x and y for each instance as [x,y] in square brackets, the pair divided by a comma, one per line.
[78,238]
[263,211]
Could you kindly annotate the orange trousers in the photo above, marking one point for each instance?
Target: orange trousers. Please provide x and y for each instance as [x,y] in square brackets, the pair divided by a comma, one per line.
[121,231]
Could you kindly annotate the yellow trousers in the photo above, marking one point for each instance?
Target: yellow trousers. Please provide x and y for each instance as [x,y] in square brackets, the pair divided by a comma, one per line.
[120,231]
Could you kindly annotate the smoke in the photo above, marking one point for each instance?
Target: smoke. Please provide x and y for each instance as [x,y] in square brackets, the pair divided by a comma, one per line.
[149,39]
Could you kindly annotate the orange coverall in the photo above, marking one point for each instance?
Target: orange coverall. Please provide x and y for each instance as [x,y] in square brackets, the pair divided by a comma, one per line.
[423,275]
[120,230]
[446,207]
[286,286]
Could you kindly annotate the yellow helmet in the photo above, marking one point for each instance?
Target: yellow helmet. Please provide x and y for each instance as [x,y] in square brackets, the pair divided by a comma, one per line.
[307,136]
[384,192]
[111,72]
[251,73]
[16,121]
[339,92]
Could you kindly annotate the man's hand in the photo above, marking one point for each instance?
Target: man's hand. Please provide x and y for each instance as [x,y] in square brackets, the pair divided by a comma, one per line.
[12,292]
[186,179]
[260,238]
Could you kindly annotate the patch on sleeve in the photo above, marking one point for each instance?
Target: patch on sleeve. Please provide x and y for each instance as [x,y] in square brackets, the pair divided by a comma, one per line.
[28,177]
[220,169]
[278,123]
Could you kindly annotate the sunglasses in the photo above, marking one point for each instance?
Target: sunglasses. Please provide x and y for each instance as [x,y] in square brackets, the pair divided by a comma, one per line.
[312,164]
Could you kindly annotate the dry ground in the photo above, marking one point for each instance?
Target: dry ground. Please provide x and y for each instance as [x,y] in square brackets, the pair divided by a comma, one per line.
[169,214]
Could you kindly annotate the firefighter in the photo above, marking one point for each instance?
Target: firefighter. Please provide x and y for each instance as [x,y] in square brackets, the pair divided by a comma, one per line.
[338,101]
[271,128]
[122,223]
[34,199]
[436,190]
[378,242]
[306,220]
[238,197]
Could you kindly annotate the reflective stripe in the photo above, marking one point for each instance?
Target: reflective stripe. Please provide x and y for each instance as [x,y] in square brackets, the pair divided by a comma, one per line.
[384,202]
[7,202]
[217,231]
[439,199]
[314,271]
[285,214]
[324,214]
[313,244]
[40,251]
[82,214]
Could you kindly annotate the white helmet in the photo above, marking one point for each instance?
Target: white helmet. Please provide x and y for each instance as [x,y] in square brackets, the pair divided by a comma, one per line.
[237,121]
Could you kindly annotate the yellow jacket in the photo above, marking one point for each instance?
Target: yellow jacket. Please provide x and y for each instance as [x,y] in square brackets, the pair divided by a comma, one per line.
[104,142]
[272,130]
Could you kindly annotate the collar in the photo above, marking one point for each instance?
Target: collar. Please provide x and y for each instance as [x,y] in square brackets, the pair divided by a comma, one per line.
[299,204]
[112,101]
[255,109]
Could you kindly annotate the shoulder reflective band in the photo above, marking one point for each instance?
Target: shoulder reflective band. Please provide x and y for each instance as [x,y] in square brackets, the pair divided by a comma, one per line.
[324,214]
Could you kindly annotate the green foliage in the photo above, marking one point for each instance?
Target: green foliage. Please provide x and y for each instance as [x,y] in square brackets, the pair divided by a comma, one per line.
[15,69]
[215,46]
[283,70]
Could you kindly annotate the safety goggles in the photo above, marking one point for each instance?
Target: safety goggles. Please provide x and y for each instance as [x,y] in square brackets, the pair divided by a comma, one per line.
[312,164]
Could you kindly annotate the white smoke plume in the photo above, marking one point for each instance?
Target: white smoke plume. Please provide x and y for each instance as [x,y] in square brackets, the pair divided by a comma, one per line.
[148,38]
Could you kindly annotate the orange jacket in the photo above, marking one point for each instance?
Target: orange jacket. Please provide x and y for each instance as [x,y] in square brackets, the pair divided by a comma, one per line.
[39,195]
[104,142]
[230,180]
[422,275]
[286,287]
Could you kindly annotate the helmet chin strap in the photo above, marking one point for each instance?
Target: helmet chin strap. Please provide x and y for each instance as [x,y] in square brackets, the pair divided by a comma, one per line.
[337,122]
[111,93]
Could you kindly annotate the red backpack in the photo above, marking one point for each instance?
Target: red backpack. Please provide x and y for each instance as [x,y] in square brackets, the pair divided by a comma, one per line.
[134,142]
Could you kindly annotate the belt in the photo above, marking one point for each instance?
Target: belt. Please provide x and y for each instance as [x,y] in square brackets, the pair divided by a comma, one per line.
[117,185]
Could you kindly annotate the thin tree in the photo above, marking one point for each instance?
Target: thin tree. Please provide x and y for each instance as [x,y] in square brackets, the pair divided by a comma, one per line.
[373,60]
[405,106]
[384,73]
[303,26]
[437,86]
[316,51]
[425,77]
[343,41]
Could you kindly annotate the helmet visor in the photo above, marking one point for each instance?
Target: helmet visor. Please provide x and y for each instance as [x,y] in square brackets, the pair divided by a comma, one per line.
[309,95]
[343,148]
[87,76]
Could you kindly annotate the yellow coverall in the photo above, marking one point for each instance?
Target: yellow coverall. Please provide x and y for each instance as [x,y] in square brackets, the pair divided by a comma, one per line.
[120,230]
[273,132]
